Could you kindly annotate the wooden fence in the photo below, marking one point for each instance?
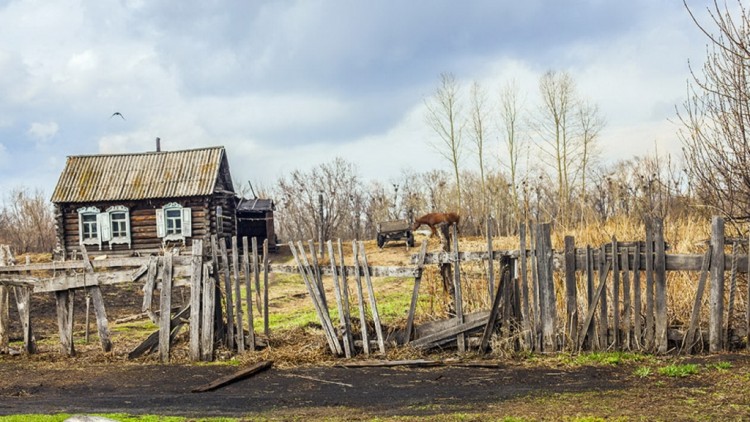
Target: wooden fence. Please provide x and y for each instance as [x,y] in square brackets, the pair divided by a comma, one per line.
[612,297]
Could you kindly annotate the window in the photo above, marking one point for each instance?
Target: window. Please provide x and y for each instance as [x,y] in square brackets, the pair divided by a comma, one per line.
[111,226]
[173,222]
[88,226]
[116,226]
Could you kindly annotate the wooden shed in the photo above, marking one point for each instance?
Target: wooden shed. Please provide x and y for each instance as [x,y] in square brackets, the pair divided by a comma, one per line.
[255,219]
[132,204]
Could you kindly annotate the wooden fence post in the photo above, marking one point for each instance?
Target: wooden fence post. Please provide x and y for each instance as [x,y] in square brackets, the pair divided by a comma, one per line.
[238,296]
[345,296]
[360,300]
[459,302]
[64,303]
[590,333]
[604,266]
[615,294]
[228,293]
[266,328]
[716,298]
[732,293]
[490,261]
[649,286]
[637,318]
[208,325]
[626,297]
[339,302]
[4,319]
[660,278]
[687,343]
[527,325]
[96,295]
[248,292]
[571,291]
[415,293]
[165,306]
[196,271]
[547,298]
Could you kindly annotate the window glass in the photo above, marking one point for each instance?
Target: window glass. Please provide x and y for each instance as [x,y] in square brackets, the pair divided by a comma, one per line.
[88,226]
[119,224]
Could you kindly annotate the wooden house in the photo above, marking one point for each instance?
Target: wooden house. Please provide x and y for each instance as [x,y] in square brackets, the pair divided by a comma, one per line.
[133,204]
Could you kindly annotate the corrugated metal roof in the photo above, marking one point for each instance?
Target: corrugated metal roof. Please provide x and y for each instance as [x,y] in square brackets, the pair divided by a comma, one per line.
[168,174]
[255,204]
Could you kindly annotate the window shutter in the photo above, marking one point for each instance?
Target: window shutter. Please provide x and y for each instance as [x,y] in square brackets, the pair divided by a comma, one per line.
[105,230]
[160,230]
[187,222]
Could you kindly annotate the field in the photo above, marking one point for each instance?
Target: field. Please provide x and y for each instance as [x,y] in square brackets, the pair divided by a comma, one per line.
[307,383]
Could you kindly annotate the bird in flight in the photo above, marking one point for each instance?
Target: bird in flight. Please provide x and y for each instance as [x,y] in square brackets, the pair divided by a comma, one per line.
[117,113]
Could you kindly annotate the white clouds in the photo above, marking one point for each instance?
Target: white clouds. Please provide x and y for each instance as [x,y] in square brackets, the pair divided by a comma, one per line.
[43,132]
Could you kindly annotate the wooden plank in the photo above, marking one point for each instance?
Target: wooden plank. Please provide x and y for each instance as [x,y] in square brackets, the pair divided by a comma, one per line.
[637,302]
[415,294]
[315,293]
[373,302]
[339,303]
[256,275]
[64,306]
[234,377]
[23,302]
[96,295]
[430,340]
[616,295]
[649,334]
[660,283]
[345,296]
[111,262]
[4,319]
[716,292]
[732,292]
[149,286]
[490,261]
[458,291]
[165,307]
[207,326]
[228,294]
[314,296]
[248,293]
[604,263]
[152,341]
[266,327]
[587,319]
[687,343]
[238,296]
[527,326]
[196,289]
[590,334]
[316,270]
[626,302]
[546,288]
[571,290]
[492,318]
[360,300]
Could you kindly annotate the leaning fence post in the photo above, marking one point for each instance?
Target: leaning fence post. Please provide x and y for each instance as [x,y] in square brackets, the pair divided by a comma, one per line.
[716,298]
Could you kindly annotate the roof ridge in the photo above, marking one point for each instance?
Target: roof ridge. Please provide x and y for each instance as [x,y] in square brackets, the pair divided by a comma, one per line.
[146,152]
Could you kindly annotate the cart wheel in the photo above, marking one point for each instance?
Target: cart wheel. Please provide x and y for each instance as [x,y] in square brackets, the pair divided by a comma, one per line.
[410,239]
[381,240]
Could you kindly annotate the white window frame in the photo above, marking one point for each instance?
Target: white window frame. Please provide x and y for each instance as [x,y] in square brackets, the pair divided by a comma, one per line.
[185,219]
[109,234]
[96,239]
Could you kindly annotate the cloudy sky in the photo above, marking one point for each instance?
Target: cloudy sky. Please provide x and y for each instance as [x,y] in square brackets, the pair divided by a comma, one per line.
[287,85]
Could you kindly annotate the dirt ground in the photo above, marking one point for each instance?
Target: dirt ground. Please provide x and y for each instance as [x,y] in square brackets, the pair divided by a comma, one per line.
[537,392]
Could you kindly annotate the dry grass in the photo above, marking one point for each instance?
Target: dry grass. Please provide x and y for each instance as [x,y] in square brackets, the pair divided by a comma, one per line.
[296,338]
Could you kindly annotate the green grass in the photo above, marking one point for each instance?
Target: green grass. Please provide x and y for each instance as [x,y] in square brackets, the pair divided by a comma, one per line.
[675,370]
[722,366]
[643,371]
[606,358]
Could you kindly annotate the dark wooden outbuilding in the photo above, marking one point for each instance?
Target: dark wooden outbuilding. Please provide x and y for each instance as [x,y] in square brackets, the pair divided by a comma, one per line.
[255,219]
[131,204]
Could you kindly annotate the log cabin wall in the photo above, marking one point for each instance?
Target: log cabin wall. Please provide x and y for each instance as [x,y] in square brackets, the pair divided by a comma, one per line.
[144,239]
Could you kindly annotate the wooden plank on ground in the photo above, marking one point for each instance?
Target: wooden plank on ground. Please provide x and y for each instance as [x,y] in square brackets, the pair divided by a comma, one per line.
[430,340]
[412,363]
[237,376]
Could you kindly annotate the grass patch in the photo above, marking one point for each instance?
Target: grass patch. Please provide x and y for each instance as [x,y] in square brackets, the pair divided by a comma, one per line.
[121,417]
[606,358]
[721,366]
[679,371]
[642,371]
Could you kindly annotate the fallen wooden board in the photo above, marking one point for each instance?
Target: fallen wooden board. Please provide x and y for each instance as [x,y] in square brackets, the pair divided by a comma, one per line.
[240,375]
[389,363]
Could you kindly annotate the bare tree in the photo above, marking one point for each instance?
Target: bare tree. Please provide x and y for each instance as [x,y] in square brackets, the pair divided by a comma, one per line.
[510,121]
[444,116]
[479,128]
[716,117]
[27,222]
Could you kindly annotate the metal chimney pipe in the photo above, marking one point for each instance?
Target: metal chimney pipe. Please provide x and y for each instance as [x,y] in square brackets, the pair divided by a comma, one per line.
[158,144]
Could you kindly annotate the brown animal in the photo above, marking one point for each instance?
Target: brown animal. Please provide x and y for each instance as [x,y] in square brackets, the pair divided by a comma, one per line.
[436,218]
